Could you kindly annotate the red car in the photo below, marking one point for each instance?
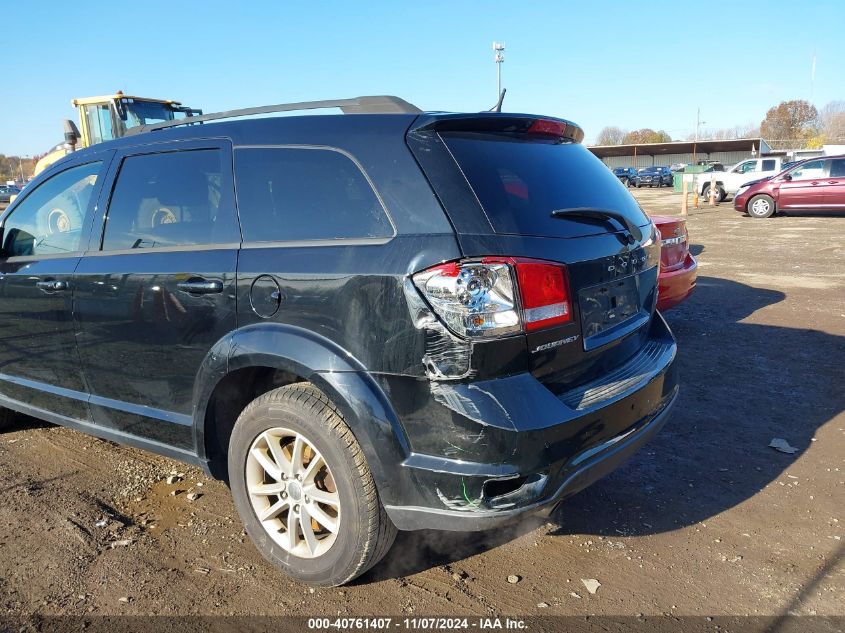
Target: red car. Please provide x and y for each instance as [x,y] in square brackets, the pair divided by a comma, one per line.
[814,184]
[678,269]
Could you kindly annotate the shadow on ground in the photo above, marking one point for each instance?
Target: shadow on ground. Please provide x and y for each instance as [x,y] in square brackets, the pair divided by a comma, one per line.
[713,454]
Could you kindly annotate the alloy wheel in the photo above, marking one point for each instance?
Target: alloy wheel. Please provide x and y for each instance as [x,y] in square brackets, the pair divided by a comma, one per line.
[293,492]
[760,207]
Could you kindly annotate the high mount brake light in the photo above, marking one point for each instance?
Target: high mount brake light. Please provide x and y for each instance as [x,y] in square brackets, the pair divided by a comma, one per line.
[497,296]
[547,128]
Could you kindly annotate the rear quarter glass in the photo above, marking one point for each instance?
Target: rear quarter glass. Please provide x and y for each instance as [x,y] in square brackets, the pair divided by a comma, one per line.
[520,182]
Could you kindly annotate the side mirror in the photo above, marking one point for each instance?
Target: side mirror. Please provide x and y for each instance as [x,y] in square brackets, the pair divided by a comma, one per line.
[787,177]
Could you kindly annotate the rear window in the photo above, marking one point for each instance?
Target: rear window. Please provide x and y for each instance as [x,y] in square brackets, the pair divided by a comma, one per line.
[294,194]
[520,183]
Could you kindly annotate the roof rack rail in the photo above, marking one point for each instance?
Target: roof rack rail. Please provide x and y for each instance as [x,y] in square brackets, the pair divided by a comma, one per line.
[383,104]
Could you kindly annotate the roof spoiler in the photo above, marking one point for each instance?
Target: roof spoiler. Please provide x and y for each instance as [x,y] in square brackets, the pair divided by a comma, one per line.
[530,124]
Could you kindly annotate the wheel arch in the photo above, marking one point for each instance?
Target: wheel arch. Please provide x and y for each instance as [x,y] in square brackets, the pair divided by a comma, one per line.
[258,358]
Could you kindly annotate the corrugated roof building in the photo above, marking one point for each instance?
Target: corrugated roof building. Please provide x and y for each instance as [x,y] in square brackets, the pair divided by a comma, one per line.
[641,155]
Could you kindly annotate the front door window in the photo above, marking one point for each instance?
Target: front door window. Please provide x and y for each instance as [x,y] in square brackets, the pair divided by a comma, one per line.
[50,219]
[808,171]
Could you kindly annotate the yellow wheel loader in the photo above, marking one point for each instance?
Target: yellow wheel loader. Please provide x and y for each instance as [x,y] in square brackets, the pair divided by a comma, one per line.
[108,117]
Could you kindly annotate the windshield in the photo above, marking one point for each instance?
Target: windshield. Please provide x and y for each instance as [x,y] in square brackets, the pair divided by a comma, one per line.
[521,182]
[649,170]
[146,112]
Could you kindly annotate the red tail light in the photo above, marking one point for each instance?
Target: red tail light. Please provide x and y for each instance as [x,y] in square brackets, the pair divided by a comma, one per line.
[545,294]
[479,299]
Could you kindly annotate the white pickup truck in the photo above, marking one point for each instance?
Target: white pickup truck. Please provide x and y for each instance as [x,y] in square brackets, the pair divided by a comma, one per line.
[727,182]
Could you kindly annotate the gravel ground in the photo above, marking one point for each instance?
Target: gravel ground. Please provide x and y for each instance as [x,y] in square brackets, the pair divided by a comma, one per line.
[708,519]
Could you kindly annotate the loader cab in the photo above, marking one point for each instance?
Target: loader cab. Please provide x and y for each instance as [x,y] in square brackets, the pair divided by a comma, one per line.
[109,117]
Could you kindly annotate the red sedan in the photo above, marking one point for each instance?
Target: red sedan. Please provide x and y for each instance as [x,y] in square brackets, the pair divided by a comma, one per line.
[678,268]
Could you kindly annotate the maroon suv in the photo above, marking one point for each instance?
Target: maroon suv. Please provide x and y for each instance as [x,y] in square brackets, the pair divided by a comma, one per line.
[814,184]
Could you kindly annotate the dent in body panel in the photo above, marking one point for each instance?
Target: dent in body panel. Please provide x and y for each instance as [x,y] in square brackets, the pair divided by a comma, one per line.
[458,419]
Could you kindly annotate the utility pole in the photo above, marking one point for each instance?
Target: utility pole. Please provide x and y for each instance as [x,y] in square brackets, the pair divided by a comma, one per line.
[498,57]
[20,165]
[698,124]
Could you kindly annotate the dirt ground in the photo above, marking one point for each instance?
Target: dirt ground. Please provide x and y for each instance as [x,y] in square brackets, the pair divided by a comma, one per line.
[708,519]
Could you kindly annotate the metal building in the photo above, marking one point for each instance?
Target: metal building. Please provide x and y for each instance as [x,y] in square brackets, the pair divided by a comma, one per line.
[640,155]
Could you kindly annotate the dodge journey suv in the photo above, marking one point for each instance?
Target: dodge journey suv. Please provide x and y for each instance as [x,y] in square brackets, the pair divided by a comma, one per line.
[377,320]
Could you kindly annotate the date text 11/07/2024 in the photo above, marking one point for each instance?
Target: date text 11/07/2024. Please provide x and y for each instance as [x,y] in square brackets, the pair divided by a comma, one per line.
[419,623]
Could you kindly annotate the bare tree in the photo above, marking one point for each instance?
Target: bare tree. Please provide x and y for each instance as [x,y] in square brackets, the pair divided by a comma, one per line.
[610,135]
[832,122]
[646,135]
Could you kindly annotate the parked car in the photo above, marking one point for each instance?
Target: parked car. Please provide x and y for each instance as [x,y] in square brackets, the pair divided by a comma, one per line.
[814,184]
[654,177]
[728,182]
[7,191]
[678,268]
[403,320]
[626,175]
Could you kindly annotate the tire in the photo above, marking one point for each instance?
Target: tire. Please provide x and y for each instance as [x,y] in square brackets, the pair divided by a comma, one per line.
[7,418]
[761,206]
[720,193]
[362,532]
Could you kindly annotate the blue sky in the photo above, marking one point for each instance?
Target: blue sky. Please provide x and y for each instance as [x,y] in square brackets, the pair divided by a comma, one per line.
[596,63]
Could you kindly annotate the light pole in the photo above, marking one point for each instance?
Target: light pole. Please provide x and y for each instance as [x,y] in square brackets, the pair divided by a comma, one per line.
[20,166]
[498,57]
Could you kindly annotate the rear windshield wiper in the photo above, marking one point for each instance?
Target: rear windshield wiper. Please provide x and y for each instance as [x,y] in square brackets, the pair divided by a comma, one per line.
[632,229]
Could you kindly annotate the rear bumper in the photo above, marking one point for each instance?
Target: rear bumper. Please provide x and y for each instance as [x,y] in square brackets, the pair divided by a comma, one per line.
[539,448]
[676,285]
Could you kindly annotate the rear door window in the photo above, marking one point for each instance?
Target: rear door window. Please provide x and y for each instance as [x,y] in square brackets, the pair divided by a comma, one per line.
[171,199]
[299,193]
[521,182]
[769,164]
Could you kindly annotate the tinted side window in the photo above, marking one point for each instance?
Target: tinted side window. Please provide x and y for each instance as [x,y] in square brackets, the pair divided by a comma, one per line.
[170,199]
[769,164]
[49,220]
[837,168]
[305,194]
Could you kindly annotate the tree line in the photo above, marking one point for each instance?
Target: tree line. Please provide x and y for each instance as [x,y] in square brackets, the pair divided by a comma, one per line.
[11,168]
[795,123]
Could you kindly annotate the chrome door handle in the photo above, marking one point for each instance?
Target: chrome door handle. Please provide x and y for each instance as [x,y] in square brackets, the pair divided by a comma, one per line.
[200,286]
[51,285]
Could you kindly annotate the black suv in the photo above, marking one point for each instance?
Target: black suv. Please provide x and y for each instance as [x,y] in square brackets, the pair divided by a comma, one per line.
[655,177]
[375,320]
[626,175]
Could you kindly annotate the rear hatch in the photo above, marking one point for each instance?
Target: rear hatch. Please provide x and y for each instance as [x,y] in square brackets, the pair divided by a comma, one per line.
[523,186]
